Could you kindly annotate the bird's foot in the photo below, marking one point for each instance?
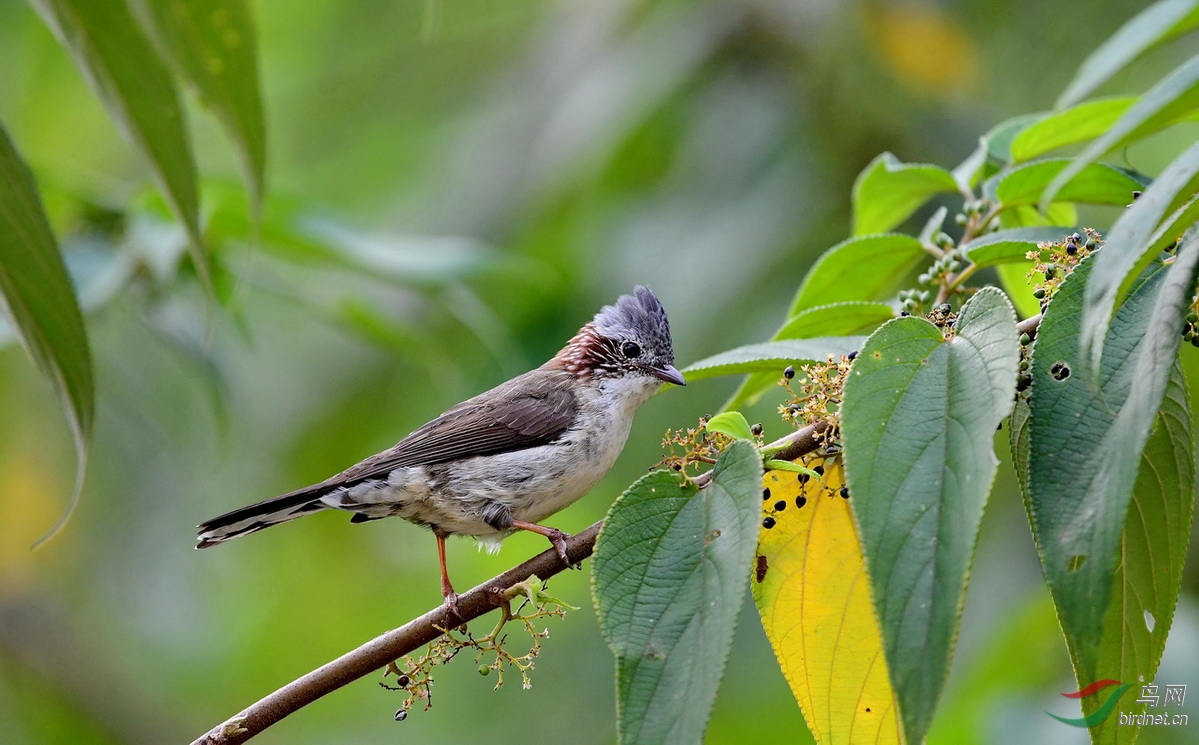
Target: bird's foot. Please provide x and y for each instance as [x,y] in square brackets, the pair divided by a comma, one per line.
[558,539]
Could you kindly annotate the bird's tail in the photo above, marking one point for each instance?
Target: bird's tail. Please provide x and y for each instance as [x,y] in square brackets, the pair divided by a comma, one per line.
[256,517]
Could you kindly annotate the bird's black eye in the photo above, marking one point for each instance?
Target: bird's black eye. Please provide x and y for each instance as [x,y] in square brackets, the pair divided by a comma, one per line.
[630,349]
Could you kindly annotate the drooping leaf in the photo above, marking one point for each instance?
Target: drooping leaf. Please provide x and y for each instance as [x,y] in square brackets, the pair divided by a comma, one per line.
[1157,23]
[1006,246]
[671,569]
[864,268]
[771,356]
[135,86]
[1175,94]
[887,192]
[39,301]
[213,45]
[918,420]
[1087,436]
[1152,551]
[841,319]
[1079,123]
[813,596]
[1126,250]
[1097,183]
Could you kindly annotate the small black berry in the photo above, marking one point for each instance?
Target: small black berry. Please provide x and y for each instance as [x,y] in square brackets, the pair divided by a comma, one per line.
[801,500]
[780,505]
[768,523]
[765,494]
[844,492]
[789,372]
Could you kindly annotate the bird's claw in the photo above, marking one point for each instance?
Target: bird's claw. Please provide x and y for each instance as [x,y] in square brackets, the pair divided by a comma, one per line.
[558,538]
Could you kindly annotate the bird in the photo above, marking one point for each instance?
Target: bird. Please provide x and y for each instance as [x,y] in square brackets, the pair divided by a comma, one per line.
[508,458]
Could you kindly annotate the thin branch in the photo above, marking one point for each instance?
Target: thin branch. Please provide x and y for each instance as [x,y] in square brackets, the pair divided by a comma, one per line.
[1029,325]
[377,653]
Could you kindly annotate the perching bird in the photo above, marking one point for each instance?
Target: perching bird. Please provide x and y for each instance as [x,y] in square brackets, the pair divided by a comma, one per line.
[508,458]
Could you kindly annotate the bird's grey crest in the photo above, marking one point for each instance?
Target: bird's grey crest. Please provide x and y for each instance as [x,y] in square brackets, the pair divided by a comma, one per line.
[638,316]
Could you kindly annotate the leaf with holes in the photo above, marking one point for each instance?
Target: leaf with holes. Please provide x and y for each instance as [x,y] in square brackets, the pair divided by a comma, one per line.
[813,596]
[918,422]
[1153,549]
[671,570]
[1087,438]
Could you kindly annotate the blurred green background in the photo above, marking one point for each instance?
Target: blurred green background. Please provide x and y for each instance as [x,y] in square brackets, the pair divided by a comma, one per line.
[454,188]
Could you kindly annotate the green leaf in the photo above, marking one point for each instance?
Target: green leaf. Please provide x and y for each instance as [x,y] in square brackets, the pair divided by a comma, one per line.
[1174,95]
[786,465]
[1000,137]
[1013,278]
[671,571]
[1157,23]
[1097,183]
[135,86]
[1006,246]
[1080,123]
[37,297]
[731,423]
[864,268]
[835,319]
[887,192]
[993,150]
[1127,249]
[840,319]
[1086,439]
[1152,551]
[213,44]
[772,355]
[918,422]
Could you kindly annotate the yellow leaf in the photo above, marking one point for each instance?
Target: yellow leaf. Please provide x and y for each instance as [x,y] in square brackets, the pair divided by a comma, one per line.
[813,595]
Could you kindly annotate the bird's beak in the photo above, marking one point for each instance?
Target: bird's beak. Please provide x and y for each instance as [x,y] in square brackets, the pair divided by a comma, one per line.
[669,373]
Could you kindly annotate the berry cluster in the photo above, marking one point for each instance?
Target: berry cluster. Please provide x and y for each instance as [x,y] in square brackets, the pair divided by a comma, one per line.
[819,396]
[1053,262]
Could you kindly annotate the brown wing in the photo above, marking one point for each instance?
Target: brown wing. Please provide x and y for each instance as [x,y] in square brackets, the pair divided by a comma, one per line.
[530,410]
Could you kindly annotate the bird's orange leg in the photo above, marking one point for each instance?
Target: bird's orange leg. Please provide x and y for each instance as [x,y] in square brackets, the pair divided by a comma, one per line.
[447,590]
[557,537]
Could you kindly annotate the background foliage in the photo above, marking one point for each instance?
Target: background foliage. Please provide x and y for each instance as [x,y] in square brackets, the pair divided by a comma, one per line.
[452,189]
